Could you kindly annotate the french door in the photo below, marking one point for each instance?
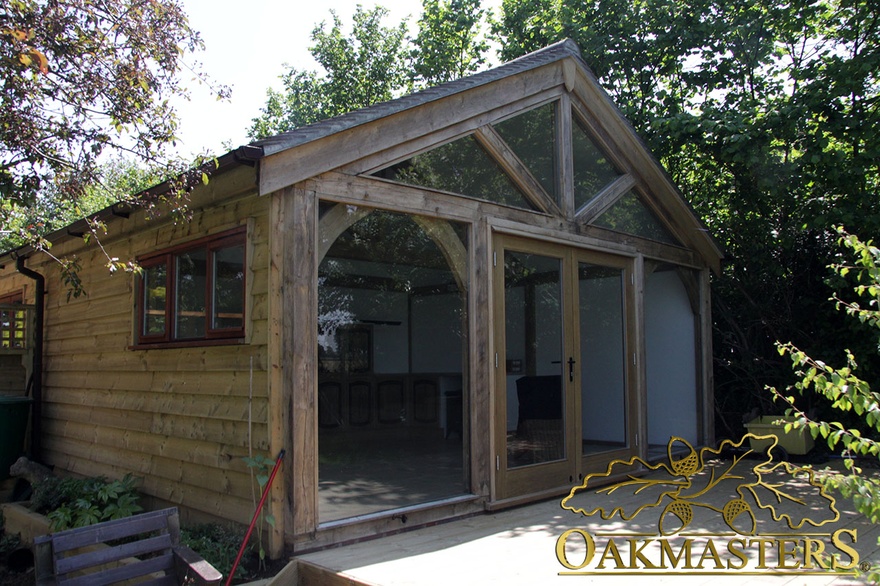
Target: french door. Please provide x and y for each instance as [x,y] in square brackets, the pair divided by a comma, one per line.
[565,367]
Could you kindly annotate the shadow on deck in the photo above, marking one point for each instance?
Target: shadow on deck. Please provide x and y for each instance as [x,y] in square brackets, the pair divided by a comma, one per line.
[518,546]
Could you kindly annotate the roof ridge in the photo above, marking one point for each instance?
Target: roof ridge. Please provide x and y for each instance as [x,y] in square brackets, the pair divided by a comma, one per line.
[303,134]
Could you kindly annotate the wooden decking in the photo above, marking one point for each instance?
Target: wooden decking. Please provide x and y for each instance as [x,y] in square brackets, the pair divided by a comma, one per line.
[517,547]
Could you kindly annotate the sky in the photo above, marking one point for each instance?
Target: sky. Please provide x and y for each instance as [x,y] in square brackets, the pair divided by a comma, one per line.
[246,45]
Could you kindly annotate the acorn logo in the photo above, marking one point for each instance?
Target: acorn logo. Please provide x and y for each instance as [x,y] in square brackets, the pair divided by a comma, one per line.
[694,484]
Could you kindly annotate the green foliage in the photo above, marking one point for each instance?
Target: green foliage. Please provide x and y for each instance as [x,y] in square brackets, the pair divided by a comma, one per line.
[366,67]
[219,546]
[375,63]
[766,115]
[83,79]
[77,502]
[449,44]
[846,392]
[261,467]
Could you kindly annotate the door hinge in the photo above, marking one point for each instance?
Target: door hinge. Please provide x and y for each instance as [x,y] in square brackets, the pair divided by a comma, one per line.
[497,463]
[637,440]
[634,359]
[494,258]
[496,360]
[632,279]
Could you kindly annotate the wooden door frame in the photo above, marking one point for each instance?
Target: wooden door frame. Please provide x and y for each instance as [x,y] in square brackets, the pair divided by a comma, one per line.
[520,484]
[598,462]
[512,483]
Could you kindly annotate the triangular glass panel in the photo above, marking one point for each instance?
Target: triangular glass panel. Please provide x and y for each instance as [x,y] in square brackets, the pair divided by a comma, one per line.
[463,167]
[630,215]
[532,137]
[592,169]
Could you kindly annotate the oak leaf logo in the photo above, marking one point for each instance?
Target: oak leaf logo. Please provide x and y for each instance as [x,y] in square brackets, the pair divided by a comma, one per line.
[683,484]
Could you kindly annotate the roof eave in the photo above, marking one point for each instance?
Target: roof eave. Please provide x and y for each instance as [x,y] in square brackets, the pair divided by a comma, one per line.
[247,155]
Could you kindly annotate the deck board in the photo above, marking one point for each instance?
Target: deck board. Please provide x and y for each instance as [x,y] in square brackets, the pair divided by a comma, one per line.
[516,547]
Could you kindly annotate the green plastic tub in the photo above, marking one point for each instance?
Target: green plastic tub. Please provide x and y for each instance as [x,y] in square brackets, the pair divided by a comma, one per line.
[796,441]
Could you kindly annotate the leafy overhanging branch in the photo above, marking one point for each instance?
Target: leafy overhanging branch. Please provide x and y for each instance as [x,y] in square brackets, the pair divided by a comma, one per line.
[846,391]
[83,79]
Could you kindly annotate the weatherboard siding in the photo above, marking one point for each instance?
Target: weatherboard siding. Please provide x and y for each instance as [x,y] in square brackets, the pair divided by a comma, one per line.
[180,419]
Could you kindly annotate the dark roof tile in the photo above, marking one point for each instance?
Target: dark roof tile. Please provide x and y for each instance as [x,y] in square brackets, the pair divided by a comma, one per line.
[305,134]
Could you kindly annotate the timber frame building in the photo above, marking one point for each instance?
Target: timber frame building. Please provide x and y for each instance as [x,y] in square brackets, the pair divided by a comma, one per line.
[457,301]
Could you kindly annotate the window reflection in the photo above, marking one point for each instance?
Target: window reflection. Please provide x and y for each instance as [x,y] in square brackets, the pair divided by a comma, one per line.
[391,355]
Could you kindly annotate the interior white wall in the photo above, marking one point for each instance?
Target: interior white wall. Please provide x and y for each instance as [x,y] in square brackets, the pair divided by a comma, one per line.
[671,359]
[603,375]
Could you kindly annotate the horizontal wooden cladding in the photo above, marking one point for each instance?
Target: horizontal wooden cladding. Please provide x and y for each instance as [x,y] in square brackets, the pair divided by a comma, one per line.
[297,164]
[184,451]
[129,238]
[182,419]
[201,359]
[215,431]
[196,487]
[160,425]
[225,384]
[234,191]
[207,406]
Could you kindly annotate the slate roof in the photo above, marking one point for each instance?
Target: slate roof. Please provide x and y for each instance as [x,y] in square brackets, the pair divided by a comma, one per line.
[304,134]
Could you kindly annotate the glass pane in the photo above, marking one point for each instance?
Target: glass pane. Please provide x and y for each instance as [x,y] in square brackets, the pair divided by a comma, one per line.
[533,338]
[154,301]
[592,169]
[228,288]
[459,167]
[13,326]
[532,136]
[190,288]
[630,215]
[392,347]
[603,379]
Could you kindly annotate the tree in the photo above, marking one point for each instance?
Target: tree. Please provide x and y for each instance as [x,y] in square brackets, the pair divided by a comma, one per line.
[121,178]
[301,102]
[367,67]
[375,63]
[847,392]
[765,113]
[449,44]
[83,78]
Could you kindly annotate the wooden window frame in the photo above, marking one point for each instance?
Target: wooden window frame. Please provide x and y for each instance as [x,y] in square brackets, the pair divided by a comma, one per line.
[13,298]
[211,245]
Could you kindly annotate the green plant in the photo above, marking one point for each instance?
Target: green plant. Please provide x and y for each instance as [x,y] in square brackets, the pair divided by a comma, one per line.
[262,467]
[219,545]
[847,392]
[77,502]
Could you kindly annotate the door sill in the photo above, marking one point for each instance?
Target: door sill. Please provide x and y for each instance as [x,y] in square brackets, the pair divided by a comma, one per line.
[544,495]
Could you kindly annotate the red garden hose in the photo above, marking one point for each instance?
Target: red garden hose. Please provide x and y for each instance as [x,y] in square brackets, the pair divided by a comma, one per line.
[256,515]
